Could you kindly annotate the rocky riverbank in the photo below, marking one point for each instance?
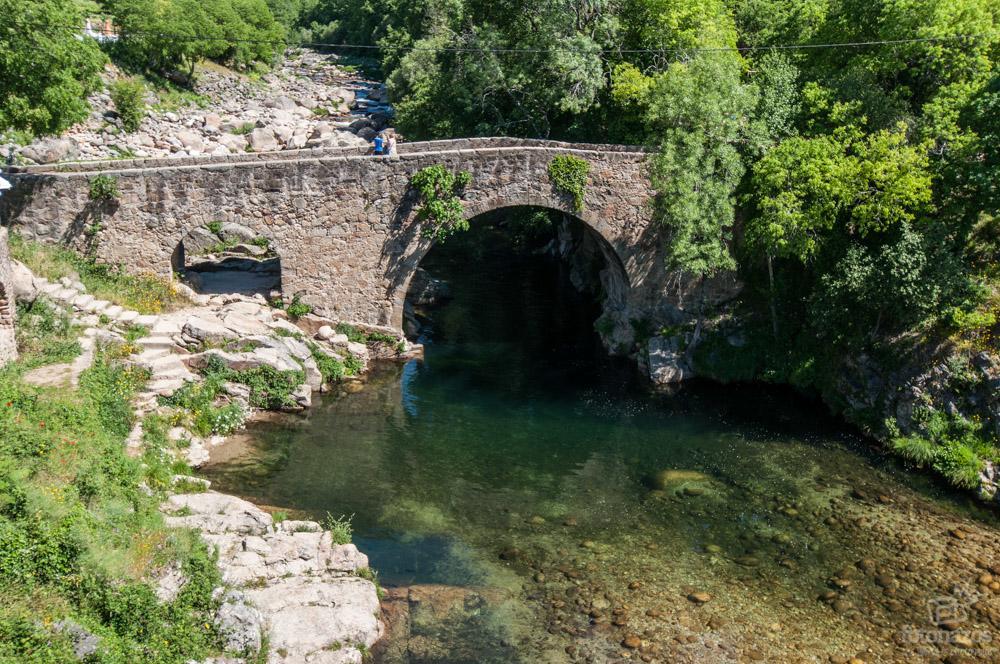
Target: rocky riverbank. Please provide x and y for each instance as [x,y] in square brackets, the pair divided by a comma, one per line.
[289,585]
[308,101]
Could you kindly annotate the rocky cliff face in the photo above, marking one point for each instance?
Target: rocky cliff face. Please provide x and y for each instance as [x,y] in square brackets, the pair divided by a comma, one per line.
[913,387]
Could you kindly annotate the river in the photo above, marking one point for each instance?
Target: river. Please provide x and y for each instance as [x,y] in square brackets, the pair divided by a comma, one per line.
[525,498]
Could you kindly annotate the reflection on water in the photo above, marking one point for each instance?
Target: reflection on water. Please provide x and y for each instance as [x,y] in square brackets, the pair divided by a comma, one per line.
[525,498]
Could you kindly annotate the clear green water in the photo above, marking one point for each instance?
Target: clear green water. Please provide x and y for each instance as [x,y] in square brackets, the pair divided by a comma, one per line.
[509,490]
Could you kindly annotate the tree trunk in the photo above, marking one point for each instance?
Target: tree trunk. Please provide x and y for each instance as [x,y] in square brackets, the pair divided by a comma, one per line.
[774,311]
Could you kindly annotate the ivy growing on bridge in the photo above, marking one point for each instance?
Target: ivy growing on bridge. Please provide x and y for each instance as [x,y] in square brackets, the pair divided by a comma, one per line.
[569,175]
[440,206]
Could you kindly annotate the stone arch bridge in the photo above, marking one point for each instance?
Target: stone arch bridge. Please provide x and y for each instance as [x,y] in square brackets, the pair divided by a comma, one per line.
[343,223]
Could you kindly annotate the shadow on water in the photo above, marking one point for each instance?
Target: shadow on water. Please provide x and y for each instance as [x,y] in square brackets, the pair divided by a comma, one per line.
[518,485]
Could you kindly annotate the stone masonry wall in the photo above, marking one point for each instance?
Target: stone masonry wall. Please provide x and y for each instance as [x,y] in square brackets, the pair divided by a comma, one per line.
[342,223]
[8,345]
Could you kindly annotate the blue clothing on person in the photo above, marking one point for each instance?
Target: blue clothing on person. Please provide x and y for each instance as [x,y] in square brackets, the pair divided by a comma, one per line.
[378,144]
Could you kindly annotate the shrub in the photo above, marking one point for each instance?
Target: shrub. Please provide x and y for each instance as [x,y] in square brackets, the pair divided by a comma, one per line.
[440,206]
[103,188]
[569,175]
[330,367]
[340,528]
[959,463]
[78,536]
[297,308]
[127,96]
[953,446]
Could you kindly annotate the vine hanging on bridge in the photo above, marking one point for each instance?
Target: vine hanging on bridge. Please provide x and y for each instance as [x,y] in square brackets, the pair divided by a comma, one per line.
[440,205]
[569,175]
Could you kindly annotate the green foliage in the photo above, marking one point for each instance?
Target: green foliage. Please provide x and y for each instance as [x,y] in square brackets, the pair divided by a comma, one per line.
[569,175]
[697,112]
[172,36]
[103,188]
[46,71]
[297,308]
[330,367]
[199,410]
[45,334]
[340,528]
[440,206]
[214,226]
[358,335]
[114,387]
[953,446]
[244,129]
[80,541]
[270,389]
[128,98]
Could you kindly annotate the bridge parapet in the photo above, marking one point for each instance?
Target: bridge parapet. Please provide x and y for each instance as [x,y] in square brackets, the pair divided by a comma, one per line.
[421,147]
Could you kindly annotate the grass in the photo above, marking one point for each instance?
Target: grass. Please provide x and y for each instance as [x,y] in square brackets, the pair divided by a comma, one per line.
[45,335]
[81,543]
[145,293]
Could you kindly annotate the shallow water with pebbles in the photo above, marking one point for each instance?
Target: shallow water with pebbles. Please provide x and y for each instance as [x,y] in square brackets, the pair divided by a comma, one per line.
[526,500]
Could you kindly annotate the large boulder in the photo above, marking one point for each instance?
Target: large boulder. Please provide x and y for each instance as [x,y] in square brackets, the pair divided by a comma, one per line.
[281,102]
[235,144]
[311,618]
[216,514]
[199,241]
[51,150]
[263,140]
[233,232]
[25,284]
[667,364]
[192,141]
[277,359]
[208,331]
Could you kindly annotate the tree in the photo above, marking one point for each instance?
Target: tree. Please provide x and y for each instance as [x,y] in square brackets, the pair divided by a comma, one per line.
[46,71]
[697,115]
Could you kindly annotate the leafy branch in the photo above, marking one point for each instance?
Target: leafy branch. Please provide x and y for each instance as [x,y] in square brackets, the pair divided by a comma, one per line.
[569,175]
[440,206]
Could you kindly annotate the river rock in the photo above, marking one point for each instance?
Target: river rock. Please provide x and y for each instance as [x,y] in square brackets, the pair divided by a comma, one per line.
[51,150]
[263,140]
[192,141]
